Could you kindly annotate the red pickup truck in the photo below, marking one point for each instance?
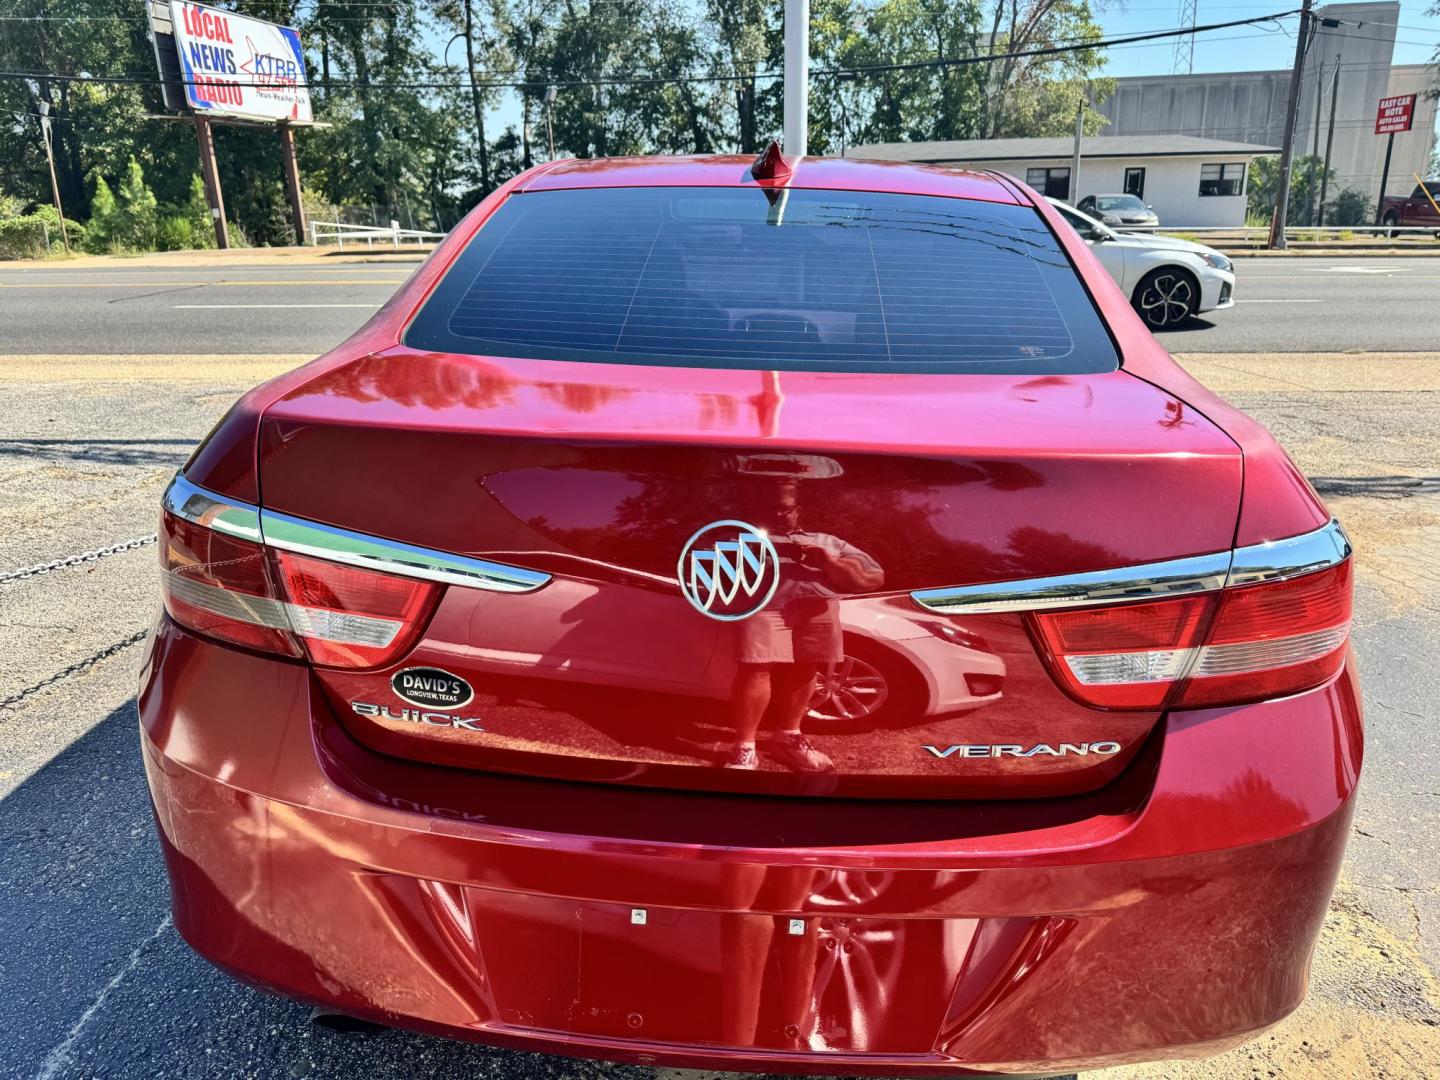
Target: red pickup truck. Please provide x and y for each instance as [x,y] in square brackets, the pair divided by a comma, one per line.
[1414,209]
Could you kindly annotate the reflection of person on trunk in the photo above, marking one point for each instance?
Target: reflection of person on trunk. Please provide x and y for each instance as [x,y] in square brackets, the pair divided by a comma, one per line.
[780,649]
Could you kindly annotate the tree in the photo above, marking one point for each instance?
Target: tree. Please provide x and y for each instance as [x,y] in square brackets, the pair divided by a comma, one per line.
[1265,176]
[1037,95]
[196,210]
[135,218]
[1350,207]
[411,134]
[100,234]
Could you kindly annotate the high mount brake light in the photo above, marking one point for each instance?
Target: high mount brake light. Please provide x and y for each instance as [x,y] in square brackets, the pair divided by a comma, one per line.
[1229,647]
[235,590]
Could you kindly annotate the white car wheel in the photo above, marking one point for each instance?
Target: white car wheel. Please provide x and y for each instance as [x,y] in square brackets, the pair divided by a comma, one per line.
[1167,297]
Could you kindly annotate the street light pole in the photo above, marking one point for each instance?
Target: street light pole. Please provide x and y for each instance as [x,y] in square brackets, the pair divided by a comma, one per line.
[797,76]
[1075,160]
[550,95]
[1287,147]
[50,157]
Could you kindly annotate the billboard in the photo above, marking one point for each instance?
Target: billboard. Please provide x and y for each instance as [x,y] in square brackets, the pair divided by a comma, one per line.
[234,65]
[1395,114]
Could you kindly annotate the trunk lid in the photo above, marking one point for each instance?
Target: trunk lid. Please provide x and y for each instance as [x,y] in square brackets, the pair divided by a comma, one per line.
[600,475]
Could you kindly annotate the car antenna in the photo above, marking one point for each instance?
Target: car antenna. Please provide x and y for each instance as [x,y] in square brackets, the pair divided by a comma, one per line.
[771,165]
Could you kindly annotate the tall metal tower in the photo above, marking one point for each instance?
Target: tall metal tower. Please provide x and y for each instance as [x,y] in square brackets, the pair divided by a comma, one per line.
[1184,62]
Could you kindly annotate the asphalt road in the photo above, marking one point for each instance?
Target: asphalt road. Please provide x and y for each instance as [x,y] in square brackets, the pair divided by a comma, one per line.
[1282,305]
[95,983]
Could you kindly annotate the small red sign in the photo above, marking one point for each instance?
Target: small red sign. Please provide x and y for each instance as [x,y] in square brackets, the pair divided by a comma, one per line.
[1395,114]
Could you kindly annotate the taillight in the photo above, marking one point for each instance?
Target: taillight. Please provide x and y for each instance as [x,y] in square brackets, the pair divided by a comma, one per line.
[351,617]
[1226,647]
[221,586]
[240,592]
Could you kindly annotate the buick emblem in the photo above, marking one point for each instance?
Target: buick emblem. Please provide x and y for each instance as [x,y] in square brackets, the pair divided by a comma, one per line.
[728,570]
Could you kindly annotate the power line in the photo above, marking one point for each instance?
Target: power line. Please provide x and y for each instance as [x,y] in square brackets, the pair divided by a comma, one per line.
[641,80]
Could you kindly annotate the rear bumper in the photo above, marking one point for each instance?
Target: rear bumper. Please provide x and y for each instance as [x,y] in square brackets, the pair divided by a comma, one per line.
[1173,913]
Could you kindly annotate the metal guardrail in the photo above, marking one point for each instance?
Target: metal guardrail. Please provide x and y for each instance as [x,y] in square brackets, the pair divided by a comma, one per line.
[339,232]
[1292,232]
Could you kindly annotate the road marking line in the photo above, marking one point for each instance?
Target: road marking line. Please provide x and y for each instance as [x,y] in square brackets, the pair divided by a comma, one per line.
[59,1057]
[1357,269]
[1277,301]
[204,307]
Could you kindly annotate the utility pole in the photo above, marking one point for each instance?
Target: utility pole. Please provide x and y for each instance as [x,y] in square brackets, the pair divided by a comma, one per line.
[1075,158]
[1287,147]
[841,80]
[797,76]
[1315,142]
[1329,140]
[46,134]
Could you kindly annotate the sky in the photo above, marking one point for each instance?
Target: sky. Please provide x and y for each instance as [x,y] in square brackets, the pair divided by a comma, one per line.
[1246,48]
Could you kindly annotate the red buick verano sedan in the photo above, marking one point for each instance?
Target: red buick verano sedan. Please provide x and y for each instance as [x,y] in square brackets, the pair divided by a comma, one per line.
[788,617]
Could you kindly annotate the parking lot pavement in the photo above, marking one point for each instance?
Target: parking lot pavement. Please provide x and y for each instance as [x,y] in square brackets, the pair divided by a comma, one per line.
[94,981]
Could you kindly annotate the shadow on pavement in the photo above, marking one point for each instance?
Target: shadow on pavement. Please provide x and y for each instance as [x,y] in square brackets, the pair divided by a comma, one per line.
[1189,326]
[103,451]
[94,981]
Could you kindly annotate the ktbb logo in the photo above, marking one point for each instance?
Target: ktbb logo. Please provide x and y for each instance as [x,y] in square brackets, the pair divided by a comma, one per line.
[729,570]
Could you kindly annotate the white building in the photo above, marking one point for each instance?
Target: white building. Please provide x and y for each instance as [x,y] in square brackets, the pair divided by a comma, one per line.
[1189,181]
[1250,105]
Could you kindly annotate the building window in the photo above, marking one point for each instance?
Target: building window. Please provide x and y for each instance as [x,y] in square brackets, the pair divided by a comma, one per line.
[1053,183]
[1222,179]
[1135,182]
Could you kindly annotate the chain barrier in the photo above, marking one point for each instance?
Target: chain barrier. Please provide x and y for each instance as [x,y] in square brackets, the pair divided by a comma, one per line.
[76,560]
[74,669]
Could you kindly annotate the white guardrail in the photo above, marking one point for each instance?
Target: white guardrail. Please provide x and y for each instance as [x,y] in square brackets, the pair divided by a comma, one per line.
[1292,232]
[338,231]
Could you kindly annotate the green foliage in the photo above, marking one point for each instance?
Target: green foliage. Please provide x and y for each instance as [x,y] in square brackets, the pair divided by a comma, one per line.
[1351,207]
[409,138]
[104,215]
[23,238]
[137,211]
[174,234]
[196,211]
[35,235]
[1305,182]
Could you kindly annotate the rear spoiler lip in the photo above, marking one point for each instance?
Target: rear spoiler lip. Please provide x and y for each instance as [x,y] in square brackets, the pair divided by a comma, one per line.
[1276,560]
[287,533]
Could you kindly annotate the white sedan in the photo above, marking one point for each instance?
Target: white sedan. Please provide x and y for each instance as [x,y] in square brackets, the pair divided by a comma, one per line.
[1167,280]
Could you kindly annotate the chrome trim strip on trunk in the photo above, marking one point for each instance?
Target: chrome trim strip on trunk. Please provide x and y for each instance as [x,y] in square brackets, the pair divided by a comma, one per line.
[1291,557]
[1273,561]
[392,557]
[200,507]
[195,504]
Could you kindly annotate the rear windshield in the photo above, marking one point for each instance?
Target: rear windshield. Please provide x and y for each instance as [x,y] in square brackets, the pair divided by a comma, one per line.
[788,280]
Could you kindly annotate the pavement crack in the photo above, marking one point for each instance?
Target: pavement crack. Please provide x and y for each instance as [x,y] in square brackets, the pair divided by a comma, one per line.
[158,292]
[59,1056]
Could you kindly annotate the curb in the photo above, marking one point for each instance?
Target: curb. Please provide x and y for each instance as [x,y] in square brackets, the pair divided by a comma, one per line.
[1331,253]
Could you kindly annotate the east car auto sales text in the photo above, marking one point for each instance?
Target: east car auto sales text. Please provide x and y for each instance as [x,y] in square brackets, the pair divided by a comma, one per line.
[216,59]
